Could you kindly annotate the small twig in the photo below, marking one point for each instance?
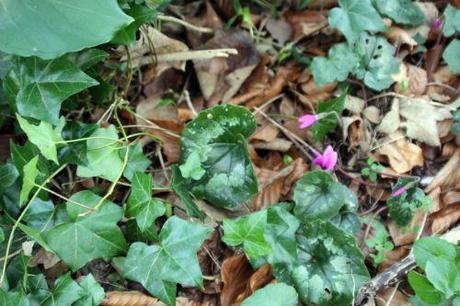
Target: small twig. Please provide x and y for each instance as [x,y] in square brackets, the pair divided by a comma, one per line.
[189,55]
[189,102]
[393,293]
[185,24]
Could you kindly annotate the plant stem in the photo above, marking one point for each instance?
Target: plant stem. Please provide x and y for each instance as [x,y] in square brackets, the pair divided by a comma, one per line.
[21,216]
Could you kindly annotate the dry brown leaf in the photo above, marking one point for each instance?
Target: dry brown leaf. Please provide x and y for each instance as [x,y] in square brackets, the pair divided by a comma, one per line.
[390,122]
[451,197]
[259,279]
[398,35]
[277,144]
[431,12]
[421,119]
[306,22]
[402,155]
[397,298]
[42,257]
[236,271]
[266,133]
[279,29]
[445,218]
[372,114]
[221,78]
[274,185]
[128,298]
[353,131]
[448,176]
[354,104]
[394,256]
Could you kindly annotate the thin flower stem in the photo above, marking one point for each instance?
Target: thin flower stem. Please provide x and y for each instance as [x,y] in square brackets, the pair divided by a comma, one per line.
[21,216]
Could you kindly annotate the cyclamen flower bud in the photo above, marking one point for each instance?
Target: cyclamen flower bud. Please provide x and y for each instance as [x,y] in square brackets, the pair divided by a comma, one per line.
[437,23]
[307,120]
[327,160]
[399,192]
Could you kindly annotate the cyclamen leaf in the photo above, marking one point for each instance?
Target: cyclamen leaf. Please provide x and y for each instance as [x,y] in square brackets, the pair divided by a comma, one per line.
[318,196]
[174,260]
[141,205]
[328,124]
[452,55]
[280,235]
[28,180]
[330,269]
[336,67]
[248,231]
[430,248]
[43,136]
[451,20]
[103,155]
[218,136]
[424,289]
[41,86]
[83,238]
[355,16]
[401,11]
[181,188]
[274,295]
[444,275]
[26,34]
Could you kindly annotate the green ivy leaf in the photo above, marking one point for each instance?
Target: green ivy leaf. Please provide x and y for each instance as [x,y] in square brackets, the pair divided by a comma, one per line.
[355,16]
[274,295]
[330,269]
[28,180]
[21,155]
[43,136]
[318,196]
[94,292]
[8,175]
[328,124]
[26,34]
[39,215]
[137,161]
[66,291]
[40,87]
[451,21]
[75,152]
[430,248]
[181,188]
[280,235]
[218,135]
[248,231]
[174,260]
[102,153]
[83,238]
[86,59]
[337,66]
[141,14]
[402,11]
[141,205]
[376,61]
[452,55]
[424,289]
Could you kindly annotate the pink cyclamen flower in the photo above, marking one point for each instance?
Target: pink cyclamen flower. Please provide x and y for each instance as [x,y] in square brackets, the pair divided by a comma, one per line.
[327,160]
[307,120]
[436,24]
[399,192]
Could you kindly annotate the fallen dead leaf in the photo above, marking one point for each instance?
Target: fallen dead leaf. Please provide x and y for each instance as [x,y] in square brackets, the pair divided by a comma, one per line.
[274,185]
[398,35]
[265,133]
[42,257]
[306,22]
[372,114]
[260,278]
[128,298]
[390,121]
[236,271]
[403,236]
[448,176]
[397,298]
[445,218]
[279,29]
[402,155]
[418,81]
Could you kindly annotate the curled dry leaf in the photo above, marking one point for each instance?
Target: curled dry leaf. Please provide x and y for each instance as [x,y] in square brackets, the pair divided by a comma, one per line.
[398,35]
[221,78]
[279,29]
[451,197]
[353,131]
[45,258]
[306,22]
[240,280]
[402,155]
[277,144]
[265,133]
[445,218]
[128,298]
[448,176]
[372,114]
[390,121]
[274,185]
[418,80]
[354,104]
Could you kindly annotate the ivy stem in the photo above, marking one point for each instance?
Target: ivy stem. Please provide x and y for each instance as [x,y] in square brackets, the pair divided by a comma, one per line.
[123,167]
[21,216]
[63,197]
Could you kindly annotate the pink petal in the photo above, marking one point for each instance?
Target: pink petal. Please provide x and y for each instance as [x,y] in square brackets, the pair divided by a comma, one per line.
[399,192]
[437,24]
[330,158]
[318,161]
[307,120]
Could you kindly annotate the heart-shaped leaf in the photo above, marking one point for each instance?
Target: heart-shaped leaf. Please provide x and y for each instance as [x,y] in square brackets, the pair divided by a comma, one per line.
[401,11]
[48,29]
[216,141]
[273,295]
[83,238]
[330,269]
